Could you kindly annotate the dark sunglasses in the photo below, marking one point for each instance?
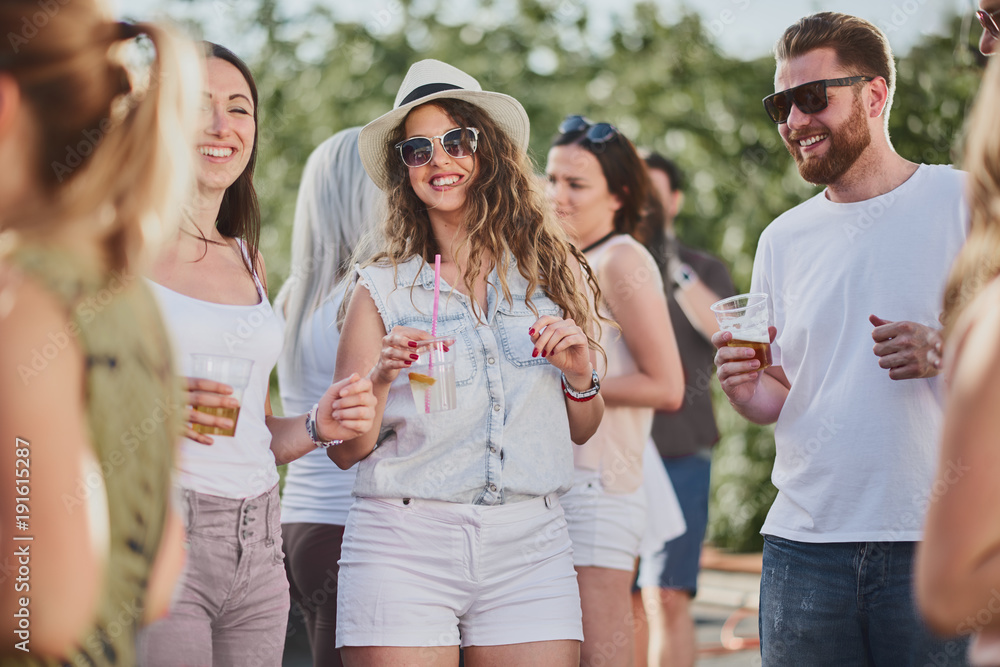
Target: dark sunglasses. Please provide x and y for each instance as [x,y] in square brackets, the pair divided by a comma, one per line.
[597,133]
[809,97]
[458,143]
[989,22]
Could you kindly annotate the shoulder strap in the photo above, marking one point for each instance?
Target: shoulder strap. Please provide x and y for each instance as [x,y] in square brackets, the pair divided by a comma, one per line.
[246,256]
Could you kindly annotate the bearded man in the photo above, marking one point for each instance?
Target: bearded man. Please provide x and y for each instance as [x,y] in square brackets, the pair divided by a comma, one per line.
[862,263]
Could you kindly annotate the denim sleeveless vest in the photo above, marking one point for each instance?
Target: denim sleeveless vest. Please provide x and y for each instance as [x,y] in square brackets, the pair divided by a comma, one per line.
[508,439]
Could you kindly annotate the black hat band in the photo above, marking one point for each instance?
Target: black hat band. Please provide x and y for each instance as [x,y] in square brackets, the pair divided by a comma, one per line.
[425,90]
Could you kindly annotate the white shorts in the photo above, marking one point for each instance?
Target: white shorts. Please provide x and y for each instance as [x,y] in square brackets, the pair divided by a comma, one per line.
[606,528]
[430,573]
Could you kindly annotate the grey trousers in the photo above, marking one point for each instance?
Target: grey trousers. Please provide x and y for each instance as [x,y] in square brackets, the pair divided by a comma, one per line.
[231,604]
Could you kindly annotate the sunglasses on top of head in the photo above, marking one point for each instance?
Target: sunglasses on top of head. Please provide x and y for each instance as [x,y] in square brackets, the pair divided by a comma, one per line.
[809,97]
[458,143]
[597,133]
[989,22]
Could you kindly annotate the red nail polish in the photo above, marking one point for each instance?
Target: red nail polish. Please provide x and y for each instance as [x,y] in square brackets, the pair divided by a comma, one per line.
[543,353]
[414,357]
[531,331]
[534,353]
[407,362]
[412,343]
[446,348]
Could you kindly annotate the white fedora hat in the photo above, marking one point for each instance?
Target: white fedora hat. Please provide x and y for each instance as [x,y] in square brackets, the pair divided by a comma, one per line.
[429,80]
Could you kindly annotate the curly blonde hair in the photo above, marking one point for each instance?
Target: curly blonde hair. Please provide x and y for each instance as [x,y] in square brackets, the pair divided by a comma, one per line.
[506,216]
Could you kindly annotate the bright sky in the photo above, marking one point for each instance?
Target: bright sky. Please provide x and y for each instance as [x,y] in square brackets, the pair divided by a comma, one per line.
[741,27]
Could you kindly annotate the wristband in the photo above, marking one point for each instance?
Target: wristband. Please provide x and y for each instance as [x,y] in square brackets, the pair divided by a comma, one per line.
[582,396]
[313,431]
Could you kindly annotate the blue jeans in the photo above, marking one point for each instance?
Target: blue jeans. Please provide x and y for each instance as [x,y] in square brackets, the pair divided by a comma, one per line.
[845,604]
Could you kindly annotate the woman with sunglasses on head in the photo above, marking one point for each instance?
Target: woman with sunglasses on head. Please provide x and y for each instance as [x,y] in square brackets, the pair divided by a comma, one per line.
[599,186]
[336,204]
[958,561]
[456,536]
[232,605]
[86,382]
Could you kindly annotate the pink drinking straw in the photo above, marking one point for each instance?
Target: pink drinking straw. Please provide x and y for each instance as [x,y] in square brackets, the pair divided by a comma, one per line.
[434,326]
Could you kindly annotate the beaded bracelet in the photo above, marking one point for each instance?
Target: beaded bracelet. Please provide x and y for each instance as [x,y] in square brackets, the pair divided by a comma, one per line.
[313,431]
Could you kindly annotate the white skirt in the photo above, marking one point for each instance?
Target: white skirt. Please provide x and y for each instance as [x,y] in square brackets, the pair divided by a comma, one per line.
[664,518]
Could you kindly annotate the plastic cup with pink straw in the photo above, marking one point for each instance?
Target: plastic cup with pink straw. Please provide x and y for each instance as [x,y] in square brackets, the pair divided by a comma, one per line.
[432,377]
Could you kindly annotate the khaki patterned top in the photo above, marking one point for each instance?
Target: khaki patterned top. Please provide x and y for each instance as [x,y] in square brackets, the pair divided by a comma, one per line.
[134,407]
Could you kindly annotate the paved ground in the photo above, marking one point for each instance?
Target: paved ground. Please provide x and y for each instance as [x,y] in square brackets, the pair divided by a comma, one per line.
[721,594]
[722,597]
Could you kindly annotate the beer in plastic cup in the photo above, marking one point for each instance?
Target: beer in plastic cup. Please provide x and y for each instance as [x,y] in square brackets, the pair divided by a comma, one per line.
[747,317]
[234,371]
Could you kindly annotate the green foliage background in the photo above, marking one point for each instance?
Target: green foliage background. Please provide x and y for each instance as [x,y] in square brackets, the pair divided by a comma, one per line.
[663,82]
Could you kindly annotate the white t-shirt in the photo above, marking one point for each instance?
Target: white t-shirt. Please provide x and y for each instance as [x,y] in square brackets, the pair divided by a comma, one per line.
[316,490]
[856,450]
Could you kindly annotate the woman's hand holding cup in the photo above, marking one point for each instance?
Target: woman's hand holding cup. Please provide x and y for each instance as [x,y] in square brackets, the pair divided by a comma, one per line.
[204,393]
[400,348]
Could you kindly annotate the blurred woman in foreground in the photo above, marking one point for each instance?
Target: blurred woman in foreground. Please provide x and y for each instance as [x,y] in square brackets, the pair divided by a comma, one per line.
[958,566]
[95,166]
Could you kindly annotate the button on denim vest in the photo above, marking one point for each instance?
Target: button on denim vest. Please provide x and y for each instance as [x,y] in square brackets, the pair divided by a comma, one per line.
[508,439]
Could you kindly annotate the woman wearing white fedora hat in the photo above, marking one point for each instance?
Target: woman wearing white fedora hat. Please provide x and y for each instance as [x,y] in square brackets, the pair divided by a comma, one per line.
[456,537]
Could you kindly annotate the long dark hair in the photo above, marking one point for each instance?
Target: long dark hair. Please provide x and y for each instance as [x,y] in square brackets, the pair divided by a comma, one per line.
[641,213]
[239,214]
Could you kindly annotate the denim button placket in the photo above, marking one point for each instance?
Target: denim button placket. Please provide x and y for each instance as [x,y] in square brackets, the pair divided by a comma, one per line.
[501,387]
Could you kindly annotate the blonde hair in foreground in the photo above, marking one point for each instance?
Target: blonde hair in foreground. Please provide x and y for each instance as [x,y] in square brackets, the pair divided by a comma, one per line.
[979,260]
[115,155]
[506,214]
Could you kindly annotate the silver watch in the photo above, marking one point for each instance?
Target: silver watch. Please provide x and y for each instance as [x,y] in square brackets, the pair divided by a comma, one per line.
[587,393]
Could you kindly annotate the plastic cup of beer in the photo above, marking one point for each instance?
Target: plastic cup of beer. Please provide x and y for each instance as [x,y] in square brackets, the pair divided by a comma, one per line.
[747,317]
[432,376]
[234,371]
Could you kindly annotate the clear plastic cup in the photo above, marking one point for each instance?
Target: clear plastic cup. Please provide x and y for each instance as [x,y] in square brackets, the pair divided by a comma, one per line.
[432,376]
[747,317]
[234,371]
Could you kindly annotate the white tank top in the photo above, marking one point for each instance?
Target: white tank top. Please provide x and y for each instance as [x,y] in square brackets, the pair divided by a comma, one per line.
[316,490]
[241,466]
[616,448]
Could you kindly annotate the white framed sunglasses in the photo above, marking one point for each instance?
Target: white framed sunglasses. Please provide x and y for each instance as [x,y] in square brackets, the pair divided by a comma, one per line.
[458,143]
